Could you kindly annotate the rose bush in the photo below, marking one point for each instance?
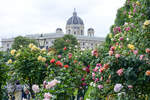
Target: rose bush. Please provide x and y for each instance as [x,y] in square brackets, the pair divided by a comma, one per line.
[127,57]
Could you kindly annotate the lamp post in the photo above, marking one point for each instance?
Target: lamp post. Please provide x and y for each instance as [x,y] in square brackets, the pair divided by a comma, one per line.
[41,41]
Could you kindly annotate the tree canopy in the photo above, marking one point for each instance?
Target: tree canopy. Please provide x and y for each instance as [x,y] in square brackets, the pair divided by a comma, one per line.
[68,41]
[22,41]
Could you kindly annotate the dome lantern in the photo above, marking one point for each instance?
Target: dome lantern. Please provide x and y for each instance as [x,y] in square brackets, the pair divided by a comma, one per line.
[75,25]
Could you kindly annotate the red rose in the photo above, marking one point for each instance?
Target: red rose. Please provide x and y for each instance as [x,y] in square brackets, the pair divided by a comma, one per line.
[58,63]
[66,66]
[65,48]
[52,61]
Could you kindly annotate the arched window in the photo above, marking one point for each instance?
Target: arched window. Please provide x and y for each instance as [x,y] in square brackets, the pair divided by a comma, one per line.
[81,32]
[69,31]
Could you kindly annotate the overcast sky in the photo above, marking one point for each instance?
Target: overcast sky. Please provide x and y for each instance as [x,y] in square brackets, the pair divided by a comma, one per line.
[21,17]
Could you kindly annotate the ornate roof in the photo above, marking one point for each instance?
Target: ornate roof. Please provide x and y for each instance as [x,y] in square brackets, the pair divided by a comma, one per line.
[75,19]
[90,29]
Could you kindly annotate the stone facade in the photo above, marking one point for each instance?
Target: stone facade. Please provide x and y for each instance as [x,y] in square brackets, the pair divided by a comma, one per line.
[74,26]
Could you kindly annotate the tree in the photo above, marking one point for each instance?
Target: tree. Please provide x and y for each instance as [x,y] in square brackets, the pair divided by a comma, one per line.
[68,41]
[22,41]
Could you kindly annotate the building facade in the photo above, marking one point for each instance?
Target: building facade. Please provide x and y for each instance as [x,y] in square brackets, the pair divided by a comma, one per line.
[74,26]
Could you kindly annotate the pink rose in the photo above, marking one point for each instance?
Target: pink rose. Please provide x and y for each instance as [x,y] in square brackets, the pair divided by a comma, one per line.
[147,50]
[98,65]
[52,84]
[35,88]
[83,79]
[96,80]
[96,69]
[120,72]
[141,57]
[100,86]
[117,55]
[121,38]
[47,96]
[127,28]
[135,52]
[112,48]
[134,10]
[130,86]
[59,56]
[44,84]
[101,78]
[111,53]
[93,74]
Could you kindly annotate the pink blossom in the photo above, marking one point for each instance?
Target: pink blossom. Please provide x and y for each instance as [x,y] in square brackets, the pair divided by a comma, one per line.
[117,55]
[84,68]
[100,86]
[117,29]
[87,70]
[129,13]
[101,78]
[112,48]
[120,72]
[124,12]
[117,44]
[98,65]
[130,86]
[96,69]
[135,52]
[127,28]
[52,84]
[118,87]
[47,96]
[111,53]
[107,81]
[84,84]
[35,88]
[147,50]
[70,55]
[44,84]
[46,99]
[59,56]
[83,79]
[121,38]
[96,80]
[93,74]
[141,57]
[134,10]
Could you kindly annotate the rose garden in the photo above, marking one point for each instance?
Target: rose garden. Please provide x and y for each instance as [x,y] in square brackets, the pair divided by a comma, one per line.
[118,69]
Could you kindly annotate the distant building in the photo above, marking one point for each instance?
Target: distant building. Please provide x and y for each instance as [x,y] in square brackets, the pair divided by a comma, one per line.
[74,26]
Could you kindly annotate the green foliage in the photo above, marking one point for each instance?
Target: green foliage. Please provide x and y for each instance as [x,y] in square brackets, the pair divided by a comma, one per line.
[3,74]
[68,41]
[29,65]
[22,42]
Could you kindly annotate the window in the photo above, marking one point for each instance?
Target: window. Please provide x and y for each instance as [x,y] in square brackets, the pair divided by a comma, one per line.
[7,49]
[7,45]
[74,33]
[81,32]
[83,43]
[69,31]
[46,47]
